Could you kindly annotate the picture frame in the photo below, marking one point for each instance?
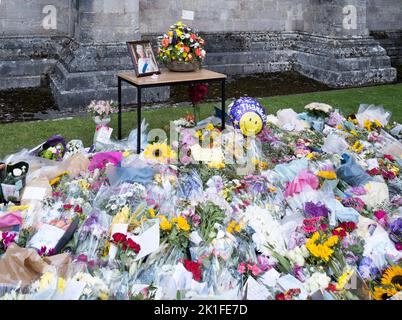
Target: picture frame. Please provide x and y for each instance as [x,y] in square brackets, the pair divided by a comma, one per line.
[143,58]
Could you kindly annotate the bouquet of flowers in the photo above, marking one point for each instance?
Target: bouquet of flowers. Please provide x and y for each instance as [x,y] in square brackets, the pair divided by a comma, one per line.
[102,109]
[181,45]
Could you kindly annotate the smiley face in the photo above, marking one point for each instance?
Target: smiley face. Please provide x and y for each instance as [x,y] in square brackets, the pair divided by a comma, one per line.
[251,124]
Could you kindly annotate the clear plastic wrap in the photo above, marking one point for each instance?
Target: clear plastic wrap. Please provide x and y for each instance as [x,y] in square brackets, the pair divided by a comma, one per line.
[352,173]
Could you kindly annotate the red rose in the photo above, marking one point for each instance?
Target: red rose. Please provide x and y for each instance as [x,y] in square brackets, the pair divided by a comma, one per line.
[77,209]
[67,206]
[280,296]
[119,238]
[133,245]
[389,157]
[194,268]
[340,232]
[374,172]
[348,226]
[331,288]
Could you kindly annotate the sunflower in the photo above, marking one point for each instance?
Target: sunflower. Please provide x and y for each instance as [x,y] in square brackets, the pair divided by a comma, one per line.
[160,152]
[381,293]
[393,277]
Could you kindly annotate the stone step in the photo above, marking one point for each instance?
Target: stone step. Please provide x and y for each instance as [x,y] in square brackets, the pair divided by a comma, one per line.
[250,68]
[15,82]
[345,79]
[80,96]
[247,57]
[26,67]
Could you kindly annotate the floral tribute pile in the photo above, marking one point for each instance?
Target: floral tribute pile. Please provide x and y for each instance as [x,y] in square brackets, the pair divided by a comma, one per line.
[310,208]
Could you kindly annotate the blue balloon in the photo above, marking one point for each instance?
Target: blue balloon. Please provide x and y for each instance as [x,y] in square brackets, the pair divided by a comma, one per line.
[248,115]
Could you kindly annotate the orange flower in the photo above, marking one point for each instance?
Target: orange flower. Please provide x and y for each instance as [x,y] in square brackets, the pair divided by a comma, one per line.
[198,52]
[165,42]
[186,49]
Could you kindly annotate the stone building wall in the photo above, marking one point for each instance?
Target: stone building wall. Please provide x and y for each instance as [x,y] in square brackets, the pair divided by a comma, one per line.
[77,46]
[384,20]
[223,16]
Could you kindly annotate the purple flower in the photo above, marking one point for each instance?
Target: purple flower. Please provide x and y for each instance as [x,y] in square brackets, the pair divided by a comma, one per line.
[316,209]
[358,191]
[335,118]
[367,269]
[8,238]
[196,220]
[298,272]
[42,251]
[263,263]
[396,226]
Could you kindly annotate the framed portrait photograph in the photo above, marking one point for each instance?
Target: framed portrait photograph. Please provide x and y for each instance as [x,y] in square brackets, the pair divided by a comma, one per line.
[143,57]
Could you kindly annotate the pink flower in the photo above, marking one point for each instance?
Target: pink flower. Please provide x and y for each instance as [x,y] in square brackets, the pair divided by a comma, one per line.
[254,269]
[309,229]
[323,227]
[380,214]
[241,268]
[389,157]
[8,238]
[398,246]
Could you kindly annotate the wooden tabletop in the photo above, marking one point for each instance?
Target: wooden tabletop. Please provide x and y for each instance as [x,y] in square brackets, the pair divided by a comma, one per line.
[168,77]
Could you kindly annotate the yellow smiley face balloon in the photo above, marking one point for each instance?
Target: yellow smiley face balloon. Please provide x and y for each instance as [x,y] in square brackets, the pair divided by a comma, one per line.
[251,124]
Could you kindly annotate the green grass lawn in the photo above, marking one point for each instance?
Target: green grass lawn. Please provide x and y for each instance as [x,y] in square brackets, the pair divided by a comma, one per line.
[15,136]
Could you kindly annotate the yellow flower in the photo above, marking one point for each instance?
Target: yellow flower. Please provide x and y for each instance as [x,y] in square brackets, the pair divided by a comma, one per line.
[165,225]
[61,285]
[58,178]
[238,227]
[182,224]
[393,276]
[216,165]
[151,212]
[384,293]
[230,227]
[210,127]
[199,133]
[122,217]
[84,184]
[321,251]
[353,132]
[332,241]
[263,165]
[378,123]
[367,124]
[310,156]
[329,175]
[160,152]
[254,161]
[18,208]
[271,189]
[126,154]
[394,169]
[103,296]
[344,279]
[339,127]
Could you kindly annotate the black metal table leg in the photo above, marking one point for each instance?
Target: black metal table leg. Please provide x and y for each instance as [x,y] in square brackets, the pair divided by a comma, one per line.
[139,119]
[223,104]
[119,102]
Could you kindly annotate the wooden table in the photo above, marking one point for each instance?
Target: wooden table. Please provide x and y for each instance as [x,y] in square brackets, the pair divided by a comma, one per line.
[167,78]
